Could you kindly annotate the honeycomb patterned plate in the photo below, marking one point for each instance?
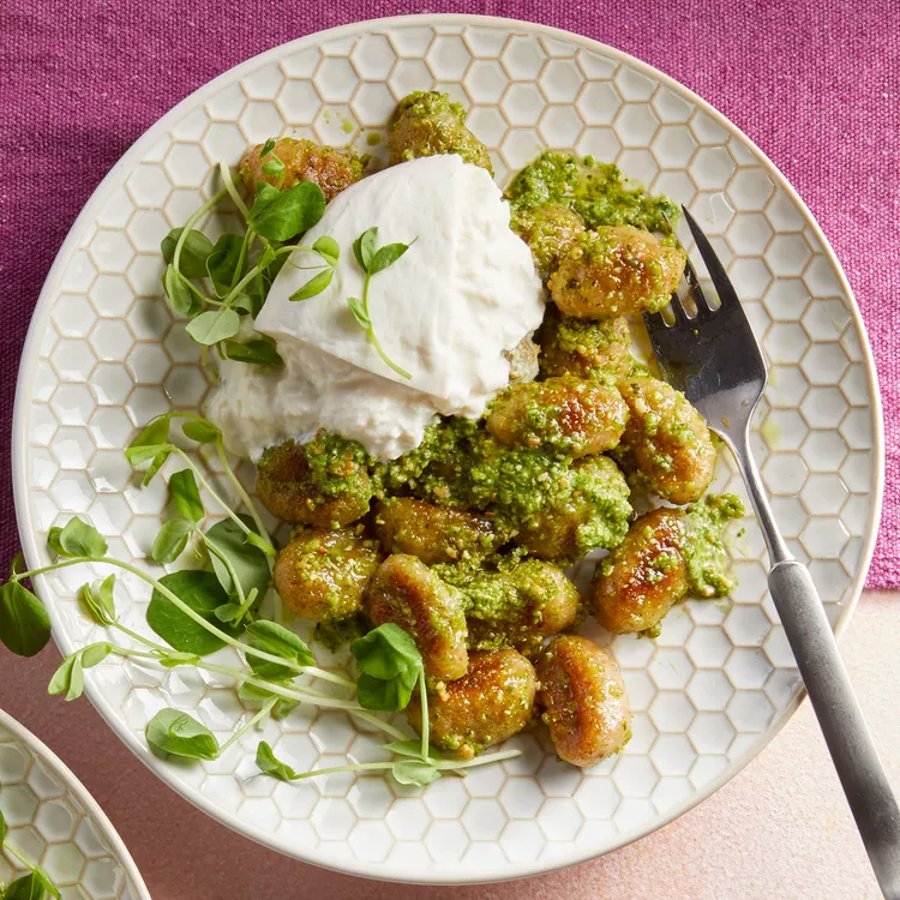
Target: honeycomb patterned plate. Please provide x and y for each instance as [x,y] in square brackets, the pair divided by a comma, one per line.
[104,355]
[54,823]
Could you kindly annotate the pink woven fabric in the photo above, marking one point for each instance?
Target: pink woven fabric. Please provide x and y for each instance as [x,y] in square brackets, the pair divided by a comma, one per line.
[816,85]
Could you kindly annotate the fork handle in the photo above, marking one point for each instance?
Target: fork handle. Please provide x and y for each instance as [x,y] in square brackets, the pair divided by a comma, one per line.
[849,742]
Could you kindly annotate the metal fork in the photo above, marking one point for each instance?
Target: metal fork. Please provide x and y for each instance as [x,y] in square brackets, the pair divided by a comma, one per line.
[713,356]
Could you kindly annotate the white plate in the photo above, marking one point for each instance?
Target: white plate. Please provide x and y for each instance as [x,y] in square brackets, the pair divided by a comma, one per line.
[56,824]
[103,356]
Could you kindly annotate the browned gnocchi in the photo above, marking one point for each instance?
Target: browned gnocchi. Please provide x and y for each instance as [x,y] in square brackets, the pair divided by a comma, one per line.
[428,123]
[592,349]
[645,576]
[580,418]
[616,271]
[406,592]
[493,701]
[332,169]
[322,575]
[666,443]
[308,484]
[435,534]
[520,607]
[668,554]
[583,700]
[549,232]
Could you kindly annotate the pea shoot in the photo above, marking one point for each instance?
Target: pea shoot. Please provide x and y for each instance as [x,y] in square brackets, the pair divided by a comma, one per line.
[220,597]
[372,260]
[35,884]
[221,287]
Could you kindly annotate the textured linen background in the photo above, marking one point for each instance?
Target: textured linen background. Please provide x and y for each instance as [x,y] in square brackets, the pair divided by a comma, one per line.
[814,84]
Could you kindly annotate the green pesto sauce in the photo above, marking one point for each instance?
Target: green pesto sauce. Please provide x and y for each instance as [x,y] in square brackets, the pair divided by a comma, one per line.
[518,596]
[602,487]
[338,633]
[704,550]
[459,465]
[337,465]
[597,191]
[437,469]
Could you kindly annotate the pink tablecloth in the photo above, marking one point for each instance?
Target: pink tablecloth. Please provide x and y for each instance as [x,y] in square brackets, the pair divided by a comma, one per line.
[814,84]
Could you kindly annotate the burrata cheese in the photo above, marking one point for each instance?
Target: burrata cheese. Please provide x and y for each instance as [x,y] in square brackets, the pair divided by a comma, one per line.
[446,312]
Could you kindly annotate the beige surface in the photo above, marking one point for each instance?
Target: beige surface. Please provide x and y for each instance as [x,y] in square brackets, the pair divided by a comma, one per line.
[781,829]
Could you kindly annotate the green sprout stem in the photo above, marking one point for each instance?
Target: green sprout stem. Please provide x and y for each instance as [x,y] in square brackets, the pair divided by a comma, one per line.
[267,708]
[204,483]
[192,220]
[303,695]
[370,333]
[232,574]
[231,189]
[246,244]
[172,597]
[426,725]
[8,848]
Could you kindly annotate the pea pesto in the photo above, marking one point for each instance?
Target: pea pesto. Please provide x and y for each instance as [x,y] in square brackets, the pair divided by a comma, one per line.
[597,191]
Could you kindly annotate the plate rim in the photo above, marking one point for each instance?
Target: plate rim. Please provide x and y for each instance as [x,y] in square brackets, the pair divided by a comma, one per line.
[73,783]
[41,313]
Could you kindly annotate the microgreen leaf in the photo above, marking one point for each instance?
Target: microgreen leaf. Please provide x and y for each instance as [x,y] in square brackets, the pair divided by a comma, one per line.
[279,641]
[185,495]
[359,313]
[138,455]
[24,624]
[414,771]
[256,697]
[267,148]
[224,262]
[364,248]
[259,352]
[194,251]
[34,886]
[171,540]
[94,654]
[314,286]
[389,695]
[386,652]
[269,764]
[172,732]
[214,325]
[153,434]
[181,298]
[68,679]
[252,297]
[390,664]
[228,612]
[281,215]
[202,592]
[77,538]
[328,248]
[248,561]
[273,167]
[386,256]
[99,604]
[152,444]
[201,430]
